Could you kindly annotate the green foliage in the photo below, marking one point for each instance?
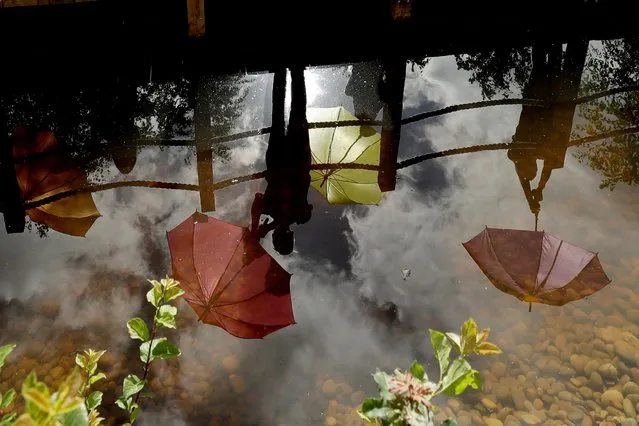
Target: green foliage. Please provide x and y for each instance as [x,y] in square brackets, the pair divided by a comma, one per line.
[160,295]
[499,71]
[616,159]
[73,403]
[404,397]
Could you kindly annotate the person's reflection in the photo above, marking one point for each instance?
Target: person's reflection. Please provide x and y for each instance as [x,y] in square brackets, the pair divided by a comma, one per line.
[536,126]
[288,161]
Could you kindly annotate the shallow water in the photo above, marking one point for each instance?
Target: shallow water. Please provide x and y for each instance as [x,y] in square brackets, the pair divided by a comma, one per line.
[570,364]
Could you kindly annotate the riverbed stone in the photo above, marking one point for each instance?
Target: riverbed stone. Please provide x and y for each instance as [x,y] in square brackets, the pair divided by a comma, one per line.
[608,371]
[493,422]
[596,383]
[612,397]
[629,408]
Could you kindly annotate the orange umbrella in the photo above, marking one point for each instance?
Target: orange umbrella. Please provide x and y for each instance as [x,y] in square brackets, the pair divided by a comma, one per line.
[49,172]
[228,278]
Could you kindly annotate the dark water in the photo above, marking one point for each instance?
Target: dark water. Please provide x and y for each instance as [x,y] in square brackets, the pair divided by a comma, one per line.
[570,364]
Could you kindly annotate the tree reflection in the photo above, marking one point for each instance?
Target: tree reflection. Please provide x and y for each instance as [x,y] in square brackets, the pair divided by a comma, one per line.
[498,72]
[615,63]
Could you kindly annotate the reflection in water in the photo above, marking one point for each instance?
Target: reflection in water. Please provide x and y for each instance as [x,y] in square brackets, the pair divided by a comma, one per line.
[536,267]
[228,278]
[49,173]
[344,145]
[288,160]
[406,270]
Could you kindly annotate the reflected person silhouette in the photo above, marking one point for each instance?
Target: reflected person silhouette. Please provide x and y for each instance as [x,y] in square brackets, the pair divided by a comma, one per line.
[288,161]
[555,76]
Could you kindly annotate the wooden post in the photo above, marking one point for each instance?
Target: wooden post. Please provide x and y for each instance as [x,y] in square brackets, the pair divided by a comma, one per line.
[197,23]
[393,96]
[10,203]
[203,135]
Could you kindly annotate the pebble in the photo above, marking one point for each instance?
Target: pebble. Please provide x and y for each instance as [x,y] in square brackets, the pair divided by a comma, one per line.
[519,398]
[489,404]
[538,404]
[237,383]
[596,382]
[630,388]
[608,371]
[330,421]
[499,369]
[529,419]
[231,363]
[629,408]
[493,422]
[612,397]
[329,386]
[586,421]
[629,422]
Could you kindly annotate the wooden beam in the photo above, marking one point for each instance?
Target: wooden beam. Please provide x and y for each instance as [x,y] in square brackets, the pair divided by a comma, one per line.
[10,203]
[204,156]
[197,23]
[393,96]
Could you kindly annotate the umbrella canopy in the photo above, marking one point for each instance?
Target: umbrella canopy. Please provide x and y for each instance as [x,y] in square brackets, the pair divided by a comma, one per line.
[344,145]
[228,278]
[50,172]
[537,267]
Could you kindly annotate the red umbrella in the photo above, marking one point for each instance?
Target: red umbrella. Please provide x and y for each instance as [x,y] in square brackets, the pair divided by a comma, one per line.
[537,267]
[228,278]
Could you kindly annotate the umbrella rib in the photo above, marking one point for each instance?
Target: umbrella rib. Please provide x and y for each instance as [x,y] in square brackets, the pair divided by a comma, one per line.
[226,269]
[492,248]
[554,261]
[349,150]
[236,302]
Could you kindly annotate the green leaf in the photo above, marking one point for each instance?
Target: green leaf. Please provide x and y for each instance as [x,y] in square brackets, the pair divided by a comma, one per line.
[382,379]
[5,351]
[472,379]
[94,400]
[135,409]
[468,336]
[154,296]
[96,378]
[123,402]
[95,355]
[449,422]
[364,417]
[131,385]
[374,408]
[166,316]
[458,368]
[31,381]
[81,360]
[70,404]
[146,349]
[455,339]
[138,329]
[8,419]
[172,293]
[417,370]
[487,348]
[7,398]
[442,346]
[165,349]
[37,398]
[76,417]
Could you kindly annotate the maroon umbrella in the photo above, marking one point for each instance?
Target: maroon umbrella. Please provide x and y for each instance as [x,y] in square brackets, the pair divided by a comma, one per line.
[537,267]
[228,278]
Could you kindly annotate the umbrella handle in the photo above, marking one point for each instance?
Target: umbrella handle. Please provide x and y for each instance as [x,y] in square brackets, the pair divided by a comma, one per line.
[530,303]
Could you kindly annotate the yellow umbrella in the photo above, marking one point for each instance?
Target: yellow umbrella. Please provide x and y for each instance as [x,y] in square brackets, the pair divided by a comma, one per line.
[345,145]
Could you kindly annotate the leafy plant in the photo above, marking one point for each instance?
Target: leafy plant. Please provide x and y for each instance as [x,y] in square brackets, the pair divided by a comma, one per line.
[151,348]
[88,361]
[74,404]
[404,397]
